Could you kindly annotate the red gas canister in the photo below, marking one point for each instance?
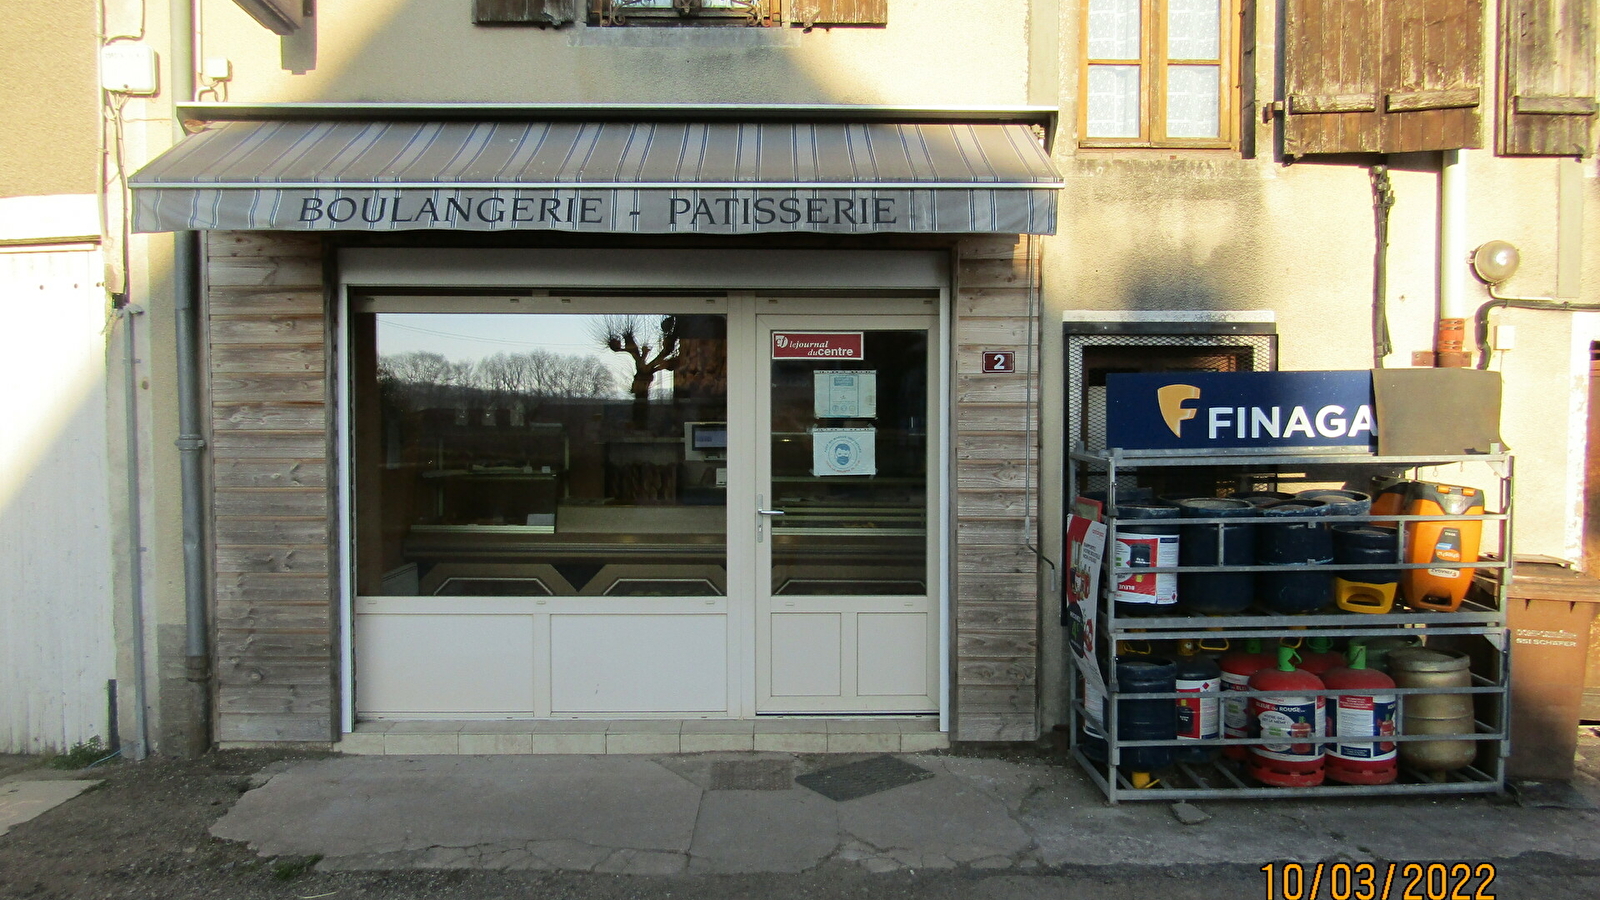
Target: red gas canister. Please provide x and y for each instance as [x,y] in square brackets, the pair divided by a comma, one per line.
[1367,711]
[1237,667]
[1319,656]
[1290,723]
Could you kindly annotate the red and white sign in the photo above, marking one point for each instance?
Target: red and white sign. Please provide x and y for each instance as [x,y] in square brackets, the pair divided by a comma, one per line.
[818,345]
[999,361]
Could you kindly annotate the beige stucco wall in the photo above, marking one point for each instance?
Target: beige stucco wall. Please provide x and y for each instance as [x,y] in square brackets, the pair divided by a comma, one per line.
[49,116]
[935,53]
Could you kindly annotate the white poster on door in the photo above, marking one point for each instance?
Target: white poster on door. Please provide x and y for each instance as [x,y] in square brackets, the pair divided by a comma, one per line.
[845,395]
[844,451]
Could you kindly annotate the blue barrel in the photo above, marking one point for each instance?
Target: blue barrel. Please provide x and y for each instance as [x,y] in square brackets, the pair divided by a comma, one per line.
[1367,545]
[1226,544]
[1302,544]
[1264,498]
[1146,720]
[1147,537]
[1124,495]
[1340,503]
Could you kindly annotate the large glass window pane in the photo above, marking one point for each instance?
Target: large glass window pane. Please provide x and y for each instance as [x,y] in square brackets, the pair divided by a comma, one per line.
[1113,102]
[1193,101]
[1114,29]
[850,470]
[540,455]
[1194,29]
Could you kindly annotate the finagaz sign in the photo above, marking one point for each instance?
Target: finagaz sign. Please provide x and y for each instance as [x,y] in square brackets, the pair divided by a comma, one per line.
[818,345]
[1224,410]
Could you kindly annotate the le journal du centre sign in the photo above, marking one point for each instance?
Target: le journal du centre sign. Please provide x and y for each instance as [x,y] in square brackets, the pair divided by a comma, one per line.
[1202,411]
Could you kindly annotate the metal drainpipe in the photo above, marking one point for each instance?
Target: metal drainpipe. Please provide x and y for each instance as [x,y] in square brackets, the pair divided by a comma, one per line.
[1454,305]
[191,446]
[130,410]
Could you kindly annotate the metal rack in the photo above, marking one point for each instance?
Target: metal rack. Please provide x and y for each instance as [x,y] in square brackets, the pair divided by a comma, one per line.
[1479,624]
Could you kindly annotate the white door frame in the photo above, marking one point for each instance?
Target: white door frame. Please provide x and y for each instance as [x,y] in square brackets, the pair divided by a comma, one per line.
[793,273]
[891,314]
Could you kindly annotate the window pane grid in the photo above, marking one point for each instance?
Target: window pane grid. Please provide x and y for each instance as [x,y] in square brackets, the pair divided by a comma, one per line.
[1176,92]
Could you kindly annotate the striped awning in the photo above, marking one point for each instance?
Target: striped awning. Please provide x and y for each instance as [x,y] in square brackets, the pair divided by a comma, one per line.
[601,177]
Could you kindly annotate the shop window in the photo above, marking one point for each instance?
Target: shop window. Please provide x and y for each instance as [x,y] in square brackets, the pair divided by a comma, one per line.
[1158,73]
[685,12]
[538,455]
[1382,76]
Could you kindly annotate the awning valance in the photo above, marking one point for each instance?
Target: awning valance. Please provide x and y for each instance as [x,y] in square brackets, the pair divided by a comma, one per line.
[601,177]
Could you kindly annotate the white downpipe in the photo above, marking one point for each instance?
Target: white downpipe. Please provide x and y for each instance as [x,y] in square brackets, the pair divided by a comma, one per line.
[1455,307]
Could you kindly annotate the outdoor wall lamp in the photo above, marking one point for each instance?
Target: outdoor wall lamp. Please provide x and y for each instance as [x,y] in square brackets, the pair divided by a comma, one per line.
[1495,262]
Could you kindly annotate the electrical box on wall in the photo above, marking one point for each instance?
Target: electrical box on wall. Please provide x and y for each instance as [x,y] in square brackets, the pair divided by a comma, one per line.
[128,68]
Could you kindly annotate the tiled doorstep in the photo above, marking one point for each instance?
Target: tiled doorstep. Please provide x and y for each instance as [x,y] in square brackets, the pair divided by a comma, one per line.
[644,736]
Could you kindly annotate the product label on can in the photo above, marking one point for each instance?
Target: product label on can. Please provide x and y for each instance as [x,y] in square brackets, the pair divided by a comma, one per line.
[1199,717]
[1447,549]
[1147,551]
[1290,726]
[1235,709]
[1362,716]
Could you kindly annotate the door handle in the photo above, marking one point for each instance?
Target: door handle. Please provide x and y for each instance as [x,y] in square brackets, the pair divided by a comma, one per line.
[764,514]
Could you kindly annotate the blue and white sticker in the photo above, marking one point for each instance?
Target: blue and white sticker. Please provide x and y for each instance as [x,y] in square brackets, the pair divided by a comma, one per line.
[844,451]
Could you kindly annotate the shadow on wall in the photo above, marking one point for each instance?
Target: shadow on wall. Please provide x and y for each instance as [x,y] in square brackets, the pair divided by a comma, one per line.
[1163,283]
[1165,234]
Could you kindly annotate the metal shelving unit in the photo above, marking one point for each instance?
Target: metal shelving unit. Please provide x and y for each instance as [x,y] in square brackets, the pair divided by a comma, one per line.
[1479,626]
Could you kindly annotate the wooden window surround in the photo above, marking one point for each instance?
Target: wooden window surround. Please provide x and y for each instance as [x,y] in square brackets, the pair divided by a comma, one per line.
[536,13]
[685,12]
[800,13]
[1158,73]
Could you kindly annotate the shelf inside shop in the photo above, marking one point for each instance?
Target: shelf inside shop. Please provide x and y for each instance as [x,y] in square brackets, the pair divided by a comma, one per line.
[1477,626]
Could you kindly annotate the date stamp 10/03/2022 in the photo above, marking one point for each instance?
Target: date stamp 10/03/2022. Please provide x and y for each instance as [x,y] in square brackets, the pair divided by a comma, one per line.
[1379,881]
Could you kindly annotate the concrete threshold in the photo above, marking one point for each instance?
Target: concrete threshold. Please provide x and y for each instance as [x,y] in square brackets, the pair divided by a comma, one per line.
[643,736]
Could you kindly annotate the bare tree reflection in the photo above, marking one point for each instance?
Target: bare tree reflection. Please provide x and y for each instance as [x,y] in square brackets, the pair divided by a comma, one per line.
[653,346]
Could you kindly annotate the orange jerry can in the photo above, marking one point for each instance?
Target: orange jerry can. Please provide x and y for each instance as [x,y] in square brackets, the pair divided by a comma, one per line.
[1441,588]
[1389,497]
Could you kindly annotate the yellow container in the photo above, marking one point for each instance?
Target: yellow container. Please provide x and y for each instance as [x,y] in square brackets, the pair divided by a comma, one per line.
[1364,597]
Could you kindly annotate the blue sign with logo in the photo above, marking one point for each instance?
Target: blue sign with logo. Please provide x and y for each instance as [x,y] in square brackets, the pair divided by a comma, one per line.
[1203,411]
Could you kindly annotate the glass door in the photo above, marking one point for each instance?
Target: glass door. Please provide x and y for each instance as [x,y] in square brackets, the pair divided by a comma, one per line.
[847,620]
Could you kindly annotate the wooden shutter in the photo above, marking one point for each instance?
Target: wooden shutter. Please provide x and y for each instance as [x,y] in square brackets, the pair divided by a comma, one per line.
[1547,50]
[1432,74]
[1331,77]
[841,12]
[1382,76]
[521,12]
